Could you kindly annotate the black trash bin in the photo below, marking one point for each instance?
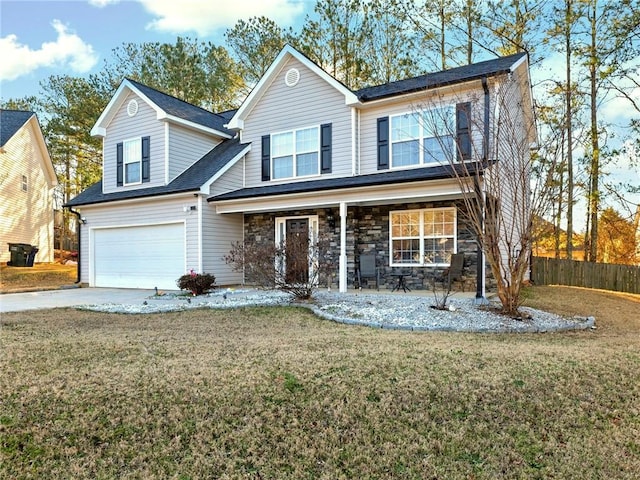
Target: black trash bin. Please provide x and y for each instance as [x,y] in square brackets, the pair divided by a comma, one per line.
[20,254]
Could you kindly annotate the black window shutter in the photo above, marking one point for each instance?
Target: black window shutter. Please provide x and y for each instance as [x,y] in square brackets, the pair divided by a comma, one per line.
[325,148]
[463,131]
[146,167]
[383,143]
[266,158]
[119,163]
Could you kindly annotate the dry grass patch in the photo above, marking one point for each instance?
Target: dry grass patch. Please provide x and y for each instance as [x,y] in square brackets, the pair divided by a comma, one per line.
[277,393]
[42,276]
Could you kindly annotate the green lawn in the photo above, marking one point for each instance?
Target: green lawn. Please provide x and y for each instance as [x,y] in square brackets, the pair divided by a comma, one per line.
[277,393]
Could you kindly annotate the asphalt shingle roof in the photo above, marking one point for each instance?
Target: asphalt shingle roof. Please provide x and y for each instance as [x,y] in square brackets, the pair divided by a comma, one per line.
[439,79]
[382,178]
[191,179]
[10,122]
[181,109]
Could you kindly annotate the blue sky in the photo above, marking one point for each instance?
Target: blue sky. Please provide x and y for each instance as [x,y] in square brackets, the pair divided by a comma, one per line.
[43,38]
[51,37]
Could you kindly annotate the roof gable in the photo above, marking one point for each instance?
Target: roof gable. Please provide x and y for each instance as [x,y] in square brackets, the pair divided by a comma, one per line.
[288,52]
[166,107]
[12,121]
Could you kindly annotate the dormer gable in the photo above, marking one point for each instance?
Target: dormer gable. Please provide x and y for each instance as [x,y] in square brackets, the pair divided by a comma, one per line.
[166,107]
[283,58]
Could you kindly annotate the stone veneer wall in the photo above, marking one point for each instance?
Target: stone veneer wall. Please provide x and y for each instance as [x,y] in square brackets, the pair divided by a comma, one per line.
[368,232]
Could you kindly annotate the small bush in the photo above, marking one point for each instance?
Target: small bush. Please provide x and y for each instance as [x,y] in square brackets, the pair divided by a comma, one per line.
[196,283]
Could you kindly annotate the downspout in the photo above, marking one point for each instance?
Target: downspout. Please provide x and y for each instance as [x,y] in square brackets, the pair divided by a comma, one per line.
[77,214]
[480,270]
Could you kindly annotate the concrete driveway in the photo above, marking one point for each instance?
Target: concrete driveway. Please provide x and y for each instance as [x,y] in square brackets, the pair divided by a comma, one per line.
[16,302]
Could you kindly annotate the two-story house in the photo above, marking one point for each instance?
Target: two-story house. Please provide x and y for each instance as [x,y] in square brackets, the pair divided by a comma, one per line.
[372,170]
[27,182]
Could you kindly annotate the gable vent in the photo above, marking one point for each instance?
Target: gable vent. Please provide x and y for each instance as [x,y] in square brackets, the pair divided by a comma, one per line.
[292,77]
[132,108]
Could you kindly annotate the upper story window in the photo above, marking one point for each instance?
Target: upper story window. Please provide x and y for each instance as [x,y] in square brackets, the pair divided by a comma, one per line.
[133,161]
[25,183]
[295,153]
[430,137]
[423,138]
[132,158]
[423,237]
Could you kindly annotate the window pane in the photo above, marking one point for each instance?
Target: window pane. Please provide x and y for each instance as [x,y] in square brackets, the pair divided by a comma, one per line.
[307,140]
[307,164]
[405,153]
[438,250]
[406,251]
[283,167]
[405,224]
[282,144]
[438,149]
[438,122]
[405,127]
[132,173]
[132,158]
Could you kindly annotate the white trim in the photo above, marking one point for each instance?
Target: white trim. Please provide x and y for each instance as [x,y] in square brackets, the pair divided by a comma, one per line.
[422,236]
[294,154]
[117,100]
[280,227]
[124,163]
[92,251]
[167,142]
[354,137]
[288,52]
[377,194]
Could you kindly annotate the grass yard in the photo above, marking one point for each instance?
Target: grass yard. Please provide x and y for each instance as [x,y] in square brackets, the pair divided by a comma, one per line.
[271,393]
[42,276]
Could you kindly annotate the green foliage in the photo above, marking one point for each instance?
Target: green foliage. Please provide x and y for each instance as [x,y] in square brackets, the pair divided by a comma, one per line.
[196,283]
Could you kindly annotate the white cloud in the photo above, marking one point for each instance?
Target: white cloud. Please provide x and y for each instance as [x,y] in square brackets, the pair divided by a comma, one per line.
[102,3]
[67,50]
[205,16]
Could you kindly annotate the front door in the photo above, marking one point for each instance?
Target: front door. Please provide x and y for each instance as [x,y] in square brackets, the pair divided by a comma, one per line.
[297,250]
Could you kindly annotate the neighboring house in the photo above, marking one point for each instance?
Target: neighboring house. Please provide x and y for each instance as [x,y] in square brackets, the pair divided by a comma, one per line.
[303,153]
[27,180]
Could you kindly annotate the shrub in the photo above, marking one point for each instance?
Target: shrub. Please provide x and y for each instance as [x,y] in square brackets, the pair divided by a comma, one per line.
[196,283]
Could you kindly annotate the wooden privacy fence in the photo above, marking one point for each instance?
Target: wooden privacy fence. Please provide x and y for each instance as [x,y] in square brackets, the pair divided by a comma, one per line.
[607,276]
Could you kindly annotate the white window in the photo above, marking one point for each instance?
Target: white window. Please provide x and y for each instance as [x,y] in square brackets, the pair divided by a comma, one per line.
[132,159]
[423,138]
[422,237]
[295,153]
[25,183]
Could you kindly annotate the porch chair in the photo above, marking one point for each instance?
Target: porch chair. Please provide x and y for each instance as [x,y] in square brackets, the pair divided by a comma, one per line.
[454,273]
[368,269]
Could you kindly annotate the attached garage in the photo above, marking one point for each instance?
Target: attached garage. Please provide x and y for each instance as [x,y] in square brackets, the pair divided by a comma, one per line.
[139,257]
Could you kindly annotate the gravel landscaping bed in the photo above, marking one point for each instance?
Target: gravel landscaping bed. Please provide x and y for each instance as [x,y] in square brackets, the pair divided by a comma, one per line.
[401,312]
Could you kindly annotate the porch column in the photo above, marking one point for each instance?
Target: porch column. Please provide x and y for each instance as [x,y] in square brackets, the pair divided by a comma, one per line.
[342,272]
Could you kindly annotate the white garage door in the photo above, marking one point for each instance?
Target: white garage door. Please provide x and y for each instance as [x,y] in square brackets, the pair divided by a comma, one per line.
[139,257]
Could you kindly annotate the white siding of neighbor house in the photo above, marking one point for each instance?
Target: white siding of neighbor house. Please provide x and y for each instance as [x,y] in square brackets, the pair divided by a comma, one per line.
[230,180]
[186,147]
[312,102]
[25,217]
[218,234]
[123,127]
[370,115]
[149,211]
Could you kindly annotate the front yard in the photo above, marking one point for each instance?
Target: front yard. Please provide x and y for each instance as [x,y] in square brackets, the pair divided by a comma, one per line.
[276,393]
[42,276]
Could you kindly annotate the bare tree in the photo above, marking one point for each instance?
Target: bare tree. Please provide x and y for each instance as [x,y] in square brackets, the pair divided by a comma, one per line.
[296,266]
[494,175]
